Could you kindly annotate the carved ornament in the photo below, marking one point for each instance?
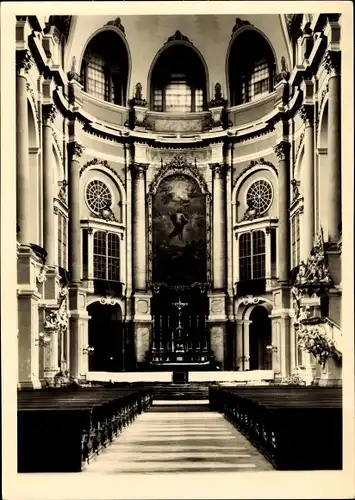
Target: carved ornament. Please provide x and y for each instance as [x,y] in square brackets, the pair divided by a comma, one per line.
[178,36]
[178,164]
[62,194]
[252,164]
[117,24]
[24,60]
[75,150]
[332,62]
[218,98]
[109,301]
[295,189]
[138,96]
[104,163]
[251,300]
[139,169]
[281,150]
[219,170]
[239,23]
[306,112]
[49,113]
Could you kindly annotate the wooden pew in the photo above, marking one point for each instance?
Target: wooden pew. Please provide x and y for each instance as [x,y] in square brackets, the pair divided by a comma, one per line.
[296,428]
[61,430]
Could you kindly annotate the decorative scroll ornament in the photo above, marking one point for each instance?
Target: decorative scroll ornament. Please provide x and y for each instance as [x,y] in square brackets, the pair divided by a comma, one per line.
[178,36]
[157,287]
[138,169]
[109,301]
[251,213]
[24,60]
[117,24]
[104,163]
[219,170]
[106,214]
[239,24]
[252,164]
[251,300]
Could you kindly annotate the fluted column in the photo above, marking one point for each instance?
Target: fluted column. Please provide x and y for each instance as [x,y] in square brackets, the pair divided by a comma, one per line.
[332,66]
[49,239]
[307,115]
[139,227]
[283,253]
[75,151]
[23,65]
[219,226]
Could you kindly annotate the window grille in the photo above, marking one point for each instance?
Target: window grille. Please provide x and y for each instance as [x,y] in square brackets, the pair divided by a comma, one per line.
[252,256]
[106,256]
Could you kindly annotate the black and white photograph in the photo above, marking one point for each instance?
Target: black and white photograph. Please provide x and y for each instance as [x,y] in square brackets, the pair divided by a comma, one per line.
[177,250]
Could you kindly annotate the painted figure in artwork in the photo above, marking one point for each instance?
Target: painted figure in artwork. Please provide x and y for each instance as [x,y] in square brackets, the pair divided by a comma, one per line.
[179,220]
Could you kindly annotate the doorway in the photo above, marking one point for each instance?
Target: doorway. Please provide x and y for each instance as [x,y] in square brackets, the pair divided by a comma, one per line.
[259,338]
[110,338]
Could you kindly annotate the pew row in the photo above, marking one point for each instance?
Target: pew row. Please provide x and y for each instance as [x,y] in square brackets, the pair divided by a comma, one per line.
[62,430]
[295,428]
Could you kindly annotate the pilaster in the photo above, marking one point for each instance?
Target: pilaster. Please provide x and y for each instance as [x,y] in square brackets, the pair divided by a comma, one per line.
[142,325]
[281,342]
[78,333]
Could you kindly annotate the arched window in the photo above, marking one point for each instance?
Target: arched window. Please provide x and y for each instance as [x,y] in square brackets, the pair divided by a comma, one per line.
[104,70]
[62,240]
[251,71]
[178,83]
[252,256]
[106,256]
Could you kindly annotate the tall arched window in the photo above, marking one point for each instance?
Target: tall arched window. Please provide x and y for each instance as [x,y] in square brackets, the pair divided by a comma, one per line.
[104,70]
[252,256]
[106,256]
[178,83]
[251,72]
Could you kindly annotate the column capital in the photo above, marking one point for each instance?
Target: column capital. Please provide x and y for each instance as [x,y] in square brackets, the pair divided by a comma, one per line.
[49,112]
[281,150]
[306,112]
[24,60]
[331,62]
[75,150]
[219,169]
[138,169]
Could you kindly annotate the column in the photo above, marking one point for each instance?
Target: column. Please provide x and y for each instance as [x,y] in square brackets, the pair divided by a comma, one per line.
[283,250]
[219,226]
[139,227]
[49,238]
[332,66]
[23,65]
[246,345]
[307,113]
[239,345]
[74,255]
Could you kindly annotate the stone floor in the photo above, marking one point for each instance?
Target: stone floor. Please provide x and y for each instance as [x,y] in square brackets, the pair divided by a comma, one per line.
[179,438]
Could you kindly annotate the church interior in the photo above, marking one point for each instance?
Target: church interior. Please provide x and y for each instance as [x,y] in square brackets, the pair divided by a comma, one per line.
[179,213]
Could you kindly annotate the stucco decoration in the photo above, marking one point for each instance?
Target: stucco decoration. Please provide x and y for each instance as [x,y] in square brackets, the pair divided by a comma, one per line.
[239,23]
[97,161]
[252,164]
[178,36]
[142,306]
[117,24]
[217,306]
[191,156]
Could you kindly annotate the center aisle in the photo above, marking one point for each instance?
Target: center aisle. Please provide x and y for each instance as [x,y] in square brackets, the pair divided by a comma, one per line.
[183,437]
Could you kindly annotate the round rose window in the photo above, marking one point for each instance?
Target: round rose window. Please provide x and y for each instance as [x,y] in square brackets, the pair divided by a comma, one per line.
[259,196]
[98,196]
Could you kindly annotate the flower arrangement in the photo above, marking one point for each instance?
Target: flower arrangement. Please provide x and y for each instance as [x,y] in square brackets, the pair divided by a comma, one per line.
[315,340]
[294,379]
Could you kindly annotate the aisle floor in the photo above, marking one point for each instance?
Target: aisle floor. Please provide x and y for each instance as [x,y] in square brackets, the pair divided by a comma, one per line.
[178,437]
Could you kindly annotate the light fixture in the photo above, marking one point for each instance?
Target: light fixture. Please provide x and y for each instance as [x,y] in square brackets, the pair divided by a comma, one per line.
[88,350]
[271,348]
[42,341]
